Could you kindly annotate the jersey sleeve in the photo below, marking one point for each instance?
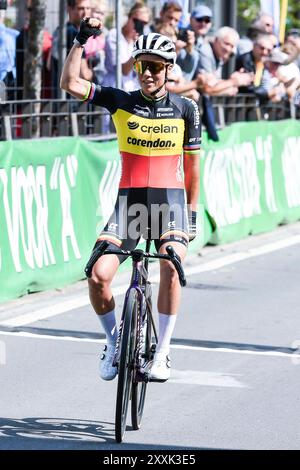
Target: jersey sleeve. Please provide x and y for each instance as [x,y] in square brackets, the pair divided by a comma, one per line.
[106,97]
[192,132]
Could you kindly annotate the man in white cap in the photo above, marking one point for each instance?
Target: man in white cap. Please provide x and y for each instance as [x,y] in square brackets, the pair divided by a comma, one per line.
[285,79]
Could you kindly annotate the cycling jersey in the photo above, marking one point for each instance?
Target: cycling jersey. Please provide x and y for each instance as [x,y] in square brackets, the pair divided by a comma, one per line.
[152,135]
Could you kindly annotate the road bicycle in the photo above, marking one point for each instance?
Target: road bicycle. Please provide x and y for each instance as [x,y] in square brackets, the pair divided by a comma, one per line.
[136,344]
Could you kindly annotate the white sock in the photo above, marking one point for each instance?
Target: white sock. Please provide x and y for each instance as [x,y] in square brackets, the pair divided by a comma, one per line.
[166,328]
[108,322]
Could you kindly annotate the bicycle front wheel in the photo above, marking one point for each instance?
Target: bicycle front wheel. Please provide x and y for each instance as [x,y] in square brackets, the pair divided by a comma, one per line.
[127,347]
[138,393]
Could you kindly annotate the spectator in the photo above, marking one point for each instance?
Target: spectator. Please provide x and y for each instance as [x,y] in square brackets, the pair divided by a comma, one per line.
[293,42]
[170,15]
[264,24]
[246,42]
[138,19]
[272,63]
[176,81]
[195,37]
[95,47]
[77,10]
[135,25]
[274,40]
[200,23]
[285,78]
[254,61]
[7,56]
[212,57]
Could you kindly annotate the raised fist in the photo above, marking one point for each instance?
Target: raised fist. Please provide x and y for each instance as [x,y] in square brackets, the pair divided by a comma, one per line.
[88,27]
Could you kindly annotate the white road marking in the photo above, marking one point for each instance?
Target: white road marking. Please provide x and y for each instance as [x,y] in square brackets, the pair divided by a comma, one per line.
[56,309]
[198,377]
[236,351]
[26,334]
[83,300]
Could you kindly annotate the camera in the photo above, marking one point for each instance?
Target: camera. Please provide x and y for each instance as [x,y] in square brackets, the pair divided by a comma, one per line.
[138,26]
[182,35]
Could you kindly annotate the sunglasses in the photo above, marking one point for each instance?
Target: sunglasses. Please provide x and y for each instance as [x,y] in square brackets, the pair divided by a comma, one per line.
[203,19]
[140,66]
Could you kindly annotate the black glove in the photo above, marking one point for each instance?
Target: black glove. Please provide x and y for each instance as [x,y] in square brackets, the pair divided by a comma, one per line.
[86,31]
[192,225]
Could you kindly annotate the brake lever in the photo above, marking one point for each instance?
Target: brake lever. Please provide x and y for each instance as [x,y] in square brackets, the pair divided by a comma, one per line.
[174,258]
[98,251]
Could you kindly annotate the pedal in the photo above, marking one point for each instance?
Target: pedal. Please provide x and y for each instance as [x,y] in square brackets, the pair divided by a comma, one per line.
[152,351]
[156,380]
[147,378]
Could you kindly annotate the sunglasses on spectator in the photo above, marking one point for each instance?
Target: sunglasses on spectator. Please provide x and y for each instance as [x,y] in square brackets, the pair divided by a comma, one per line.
[140,66]
[203,19]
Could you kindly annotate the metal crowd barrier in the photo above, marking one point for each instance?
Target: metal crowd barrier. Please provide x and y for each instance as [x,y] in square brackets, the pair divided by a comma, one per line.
[243,107]
[52,118]
[57,118]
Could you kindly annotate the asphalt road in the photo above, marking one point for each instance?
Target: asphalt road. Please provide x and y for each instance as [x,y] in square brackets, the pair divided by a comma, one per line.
[235,364]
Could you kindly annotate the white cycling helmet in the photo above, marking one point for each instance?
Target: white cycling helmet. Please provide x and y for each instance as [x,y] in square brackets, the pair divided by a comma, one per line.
[156,44]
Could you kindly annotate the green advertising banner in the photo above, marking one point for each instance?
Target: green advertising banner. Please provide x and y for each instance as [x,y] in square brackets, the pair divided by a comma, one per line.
[54,197]
[57,194]
[251,178]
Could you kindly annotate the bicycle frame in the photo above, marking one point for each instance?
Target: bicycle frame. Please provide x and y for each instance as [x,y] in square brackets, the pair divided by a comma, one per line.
[132,343]
[139,282]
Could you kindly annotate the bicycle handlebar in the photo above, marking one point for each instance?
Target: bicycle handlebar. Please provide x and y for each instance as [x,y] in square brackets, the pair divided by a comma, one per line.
[100,249]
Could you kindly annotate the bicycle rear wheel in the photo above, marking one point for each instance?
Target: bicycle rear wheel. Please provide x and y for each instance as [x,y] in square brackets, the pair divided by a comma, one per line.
[138,393]
[127,347]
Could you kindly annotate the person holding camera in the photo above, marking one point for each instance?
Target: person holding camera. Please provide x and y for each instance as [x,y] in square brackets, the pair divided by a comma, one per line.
[192,39]
[135,25]
[176,80]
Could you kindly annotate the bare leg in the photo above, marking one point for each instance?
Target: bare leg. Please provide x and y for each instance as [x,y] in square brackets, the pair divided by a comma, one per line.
[103,303]
[168,305]
[169,288]
[99,284]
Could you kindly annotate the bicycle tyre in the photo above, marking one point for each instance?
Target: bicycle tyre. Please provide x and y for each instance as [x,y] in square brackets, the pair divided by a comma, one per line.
[138,392]
[127,347]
